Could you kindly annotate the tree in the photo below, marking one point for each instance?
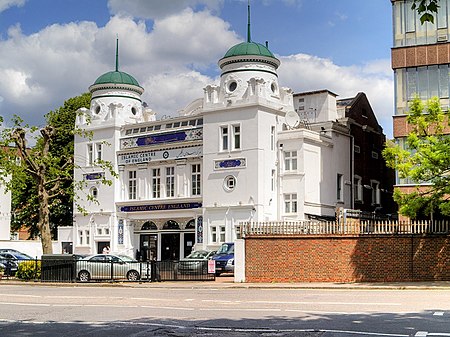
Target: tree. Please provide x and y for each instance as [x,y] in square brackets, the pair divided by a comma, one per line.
[42,175]
[424,159]
[426,9]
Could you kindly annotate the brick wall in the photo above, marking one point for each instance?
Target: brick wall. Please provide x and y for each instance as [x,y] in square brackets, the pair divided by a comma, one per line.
[347,258]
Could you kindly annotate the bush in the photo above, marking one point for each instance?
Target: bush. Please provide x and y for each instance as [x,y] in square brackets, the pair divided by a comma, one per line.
[29,270]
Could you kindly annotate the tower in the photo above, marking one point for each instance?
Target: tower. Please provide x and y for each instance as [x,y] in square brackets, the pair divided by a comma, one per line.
[116,100]
[241,118]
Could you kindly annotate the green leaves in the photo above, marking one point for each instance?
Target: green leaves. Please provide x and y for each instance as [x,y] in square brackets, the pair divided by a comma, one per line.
[426,9]
[424,159]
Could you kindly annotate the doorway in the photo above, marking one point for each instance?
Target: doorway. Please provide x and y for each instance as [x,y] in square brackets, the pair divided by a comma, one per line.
[189,239]
[170,246]
[101,245]
[148,248]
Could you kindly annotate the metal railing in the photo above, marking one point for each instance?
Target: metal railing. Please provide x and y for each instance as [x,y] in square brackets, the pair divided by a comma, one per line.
[353,227]
[60,268]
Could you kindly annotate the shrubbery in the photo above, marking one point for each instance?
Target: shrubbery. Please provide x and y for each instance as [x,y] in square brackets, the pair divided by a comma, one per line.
[29,270]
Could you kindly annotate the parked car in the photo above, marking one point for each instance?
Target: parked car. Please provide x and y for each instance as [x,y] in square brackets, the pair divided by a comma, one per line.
[108,266]
[9,266]
[195,263]
[15,254]
[224,258]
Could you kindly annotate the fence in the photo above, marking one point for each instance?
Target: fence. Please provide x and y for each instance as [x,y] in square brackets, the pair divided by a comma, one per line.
[351,227]
[65,268]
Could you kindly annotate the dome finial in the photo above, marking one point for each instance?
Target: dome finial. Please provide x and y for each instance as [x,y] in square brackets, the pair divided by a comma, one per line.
[117,52]
[249,38]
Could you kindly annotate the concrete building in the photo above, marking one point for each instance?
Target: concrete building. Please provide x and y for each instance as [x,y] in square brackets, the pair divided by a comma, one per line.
[241,152]
[421,61]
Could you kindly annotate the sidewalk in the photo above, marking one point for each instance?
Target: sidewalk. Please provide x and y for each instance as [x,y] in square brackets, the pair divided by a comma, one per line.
[227,281]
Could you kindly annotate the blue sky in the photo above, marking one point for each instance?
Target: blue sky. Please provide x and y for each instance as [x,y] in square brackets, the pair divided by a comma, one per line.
[52,50]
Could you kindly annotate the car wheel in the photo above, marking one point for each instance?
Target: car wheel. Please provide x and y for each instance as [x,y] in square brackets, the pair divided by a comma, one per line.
[84,276]
[133,275]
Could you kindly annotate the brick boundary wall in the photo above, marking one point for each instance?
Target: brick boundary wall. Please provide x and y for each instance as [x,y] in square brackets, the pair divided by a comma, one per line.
[331,258]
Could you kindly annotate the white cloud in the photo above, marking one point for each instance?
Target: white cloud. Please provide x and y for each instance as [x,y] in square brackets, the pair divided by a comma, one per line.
[158,9]
[5,4]
[42,70]
[303,72]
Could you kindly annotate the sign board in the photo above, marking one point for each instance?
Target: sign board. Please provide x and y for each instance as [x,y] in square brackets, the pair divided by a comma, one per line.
[211,266]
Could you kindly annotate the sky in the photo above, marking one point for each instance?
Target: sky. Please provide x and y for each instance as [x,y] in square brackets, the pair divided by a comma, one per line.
[52,50]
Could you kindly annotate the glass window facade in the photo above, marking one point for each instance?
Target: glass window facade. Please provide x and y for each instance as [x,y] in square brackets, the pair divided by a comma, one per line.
[408,31]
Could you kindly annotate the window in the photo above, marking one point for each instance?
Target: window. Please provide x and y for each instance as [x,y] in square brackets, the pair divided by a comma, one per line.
[375,185]
[229,183]
[272,138]
[213,234]
[170,181]
[132,185]
[273,181]
[98,150]
[156,183]
[84,237]
[224,138]
[290,203]
[93,193]
[81,237]
[196,179]
[90,154]
[358,188]
[339,187]
[236,137]
[290,161]
[222,233]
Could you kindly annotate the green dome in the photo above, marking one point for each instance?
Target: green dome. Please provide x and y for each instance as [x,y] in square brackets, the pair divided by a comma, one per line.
[249,48]
[116,77]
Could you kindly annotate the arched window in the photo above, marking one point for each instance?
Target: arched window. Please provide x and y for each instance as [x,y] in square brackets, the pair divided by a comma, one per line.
[149,225]
[171,224]
[190,224]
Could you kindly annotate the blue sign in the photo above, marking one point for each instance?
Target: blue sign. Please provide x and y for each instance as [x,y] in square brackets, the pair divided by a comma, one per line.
[94,176]
[120,233]
[159,139]
[161,207]
[200,229]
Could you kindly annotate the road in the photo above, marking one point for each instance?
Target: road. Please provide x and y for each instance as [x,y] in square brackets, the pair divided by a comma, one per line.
[40,310]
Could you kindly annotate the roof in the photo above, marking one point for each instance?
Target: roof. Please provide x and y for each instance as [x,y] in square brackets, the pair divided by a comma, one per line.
[116,77]
[249,48]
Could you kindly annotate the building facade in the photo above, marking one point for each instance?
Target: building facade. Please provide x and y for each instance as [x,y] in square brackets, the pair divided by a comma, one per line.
[240,153]
[421,61]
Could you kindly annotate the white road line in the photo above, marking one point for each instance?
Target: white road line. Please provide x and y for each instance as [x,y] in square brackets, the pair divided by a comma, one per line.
[438,313]
[306,303]
[167,308]
[238,309]
[26,304]
[421,334]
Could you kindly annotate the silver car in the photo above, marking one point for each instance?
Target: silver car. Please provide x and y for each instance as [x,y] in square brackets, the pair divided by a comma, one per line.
[110,267]
[195,263]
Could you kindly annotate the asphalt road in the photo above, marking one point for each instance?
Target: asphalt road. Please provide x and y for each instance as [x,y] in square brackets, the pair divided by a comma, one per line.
[39,310]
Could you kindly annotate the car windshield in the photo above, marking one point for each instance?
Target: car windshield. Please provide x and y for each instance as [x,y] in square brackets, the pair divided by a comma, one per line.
[125,258]
[226,249]
[22,256]
[201,254]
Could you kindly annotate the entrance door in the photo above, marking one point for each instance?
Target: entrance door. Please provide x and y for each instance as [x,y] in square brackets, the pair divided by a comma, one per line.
[148,248]
[170,246]
[189,239]
[101,245]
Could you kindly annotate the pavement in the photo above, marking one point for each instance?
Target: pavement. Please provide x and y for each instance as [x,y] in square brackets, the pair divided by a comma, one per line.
[227,281]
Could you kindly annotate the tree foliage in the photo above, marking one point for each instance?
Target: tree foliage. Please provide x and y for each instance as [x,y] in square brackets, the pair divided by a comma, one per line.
[40,176]
[426,9]
[425,159]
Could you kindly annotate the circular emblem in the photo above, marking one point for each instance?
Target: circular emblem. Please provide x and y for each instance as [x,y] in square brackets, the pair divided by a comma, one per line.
[165,155]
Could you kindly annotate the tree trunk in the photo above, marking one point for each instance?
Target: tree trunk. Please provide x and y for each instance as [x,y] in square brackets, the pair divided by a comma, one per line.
[44,218]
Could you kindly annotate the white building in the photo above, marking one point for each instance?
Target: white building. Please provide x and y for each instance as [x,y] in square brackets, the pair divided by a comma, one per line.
[242,152]
[5,214]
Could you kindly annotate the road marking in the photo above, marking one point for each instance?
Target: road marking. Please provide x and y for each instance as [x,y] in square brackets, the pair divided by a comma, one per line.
[305,303]
[167,308]
[238,309]
[438,313]
[421,334]
[26,304]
